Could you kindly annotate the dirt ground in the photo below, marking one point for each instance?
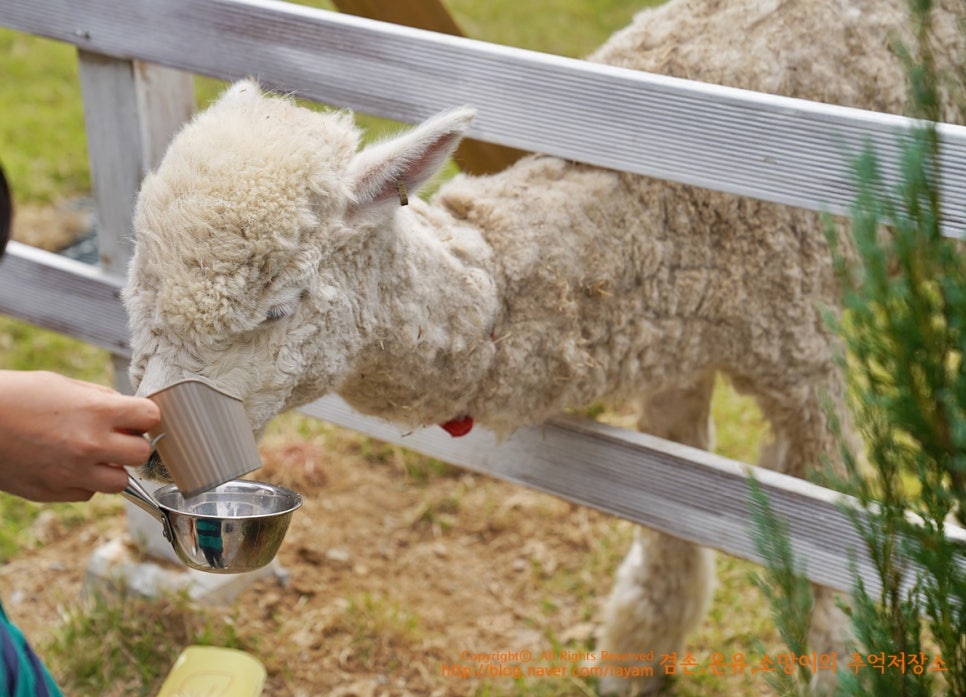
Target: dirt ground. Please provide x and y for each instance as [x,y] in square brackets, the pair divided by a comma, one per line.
[400,573]
[391,581]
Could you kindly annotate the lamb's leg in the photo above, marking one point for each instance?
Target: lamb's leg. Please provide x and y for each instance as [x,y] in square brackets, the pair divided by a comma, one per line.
[664,585]
[802,442]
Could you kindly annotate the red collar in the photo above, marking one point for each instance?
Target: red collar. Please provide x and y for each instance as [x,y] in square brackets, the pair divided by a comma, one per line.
[459,426]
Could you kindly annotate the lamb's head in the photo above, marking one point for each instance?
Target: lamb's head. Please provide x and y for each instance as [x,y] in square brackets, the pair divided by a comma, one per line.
[255,241]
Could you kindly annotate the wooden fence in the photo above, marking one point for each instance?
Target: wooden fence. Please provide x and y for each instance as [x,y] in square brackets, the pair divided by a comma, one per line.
[135,61]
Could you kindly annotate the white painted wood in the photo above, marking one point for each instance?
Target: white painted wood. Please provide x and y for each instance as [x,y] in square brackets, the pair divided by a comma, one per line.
[166,100]
[64,295]
[114,152]
[131,110]
[768,147]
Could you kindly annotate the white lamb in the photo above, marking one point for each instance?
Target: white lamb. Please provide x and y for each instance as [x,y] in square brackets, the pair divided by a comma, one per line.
[274,259]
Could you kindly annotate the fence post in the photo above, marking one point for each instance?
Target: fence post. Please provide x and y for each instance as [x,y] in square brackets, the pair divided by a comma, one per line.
[131,111]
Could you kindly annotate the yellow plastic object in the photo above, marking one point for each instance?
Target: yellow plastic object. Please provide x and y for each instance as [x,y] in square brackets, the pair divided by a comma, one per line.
[211,671]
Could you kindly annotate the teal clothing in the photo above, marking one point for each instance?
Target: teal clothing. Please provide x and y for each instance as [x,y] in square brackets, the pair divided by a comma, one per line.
[209,534]
[210,542]
[21,672]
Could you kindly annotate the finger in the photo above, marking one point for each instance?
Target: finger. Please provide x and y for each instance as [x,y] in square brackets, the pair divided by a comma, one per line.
[131,450]
[65,494]
[136,414]
[107,479]
[71,495]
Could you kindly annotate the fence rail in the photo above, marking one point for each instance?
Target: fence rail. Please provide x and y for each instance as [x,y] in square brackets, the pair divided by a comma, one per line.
[778,149]
[775,148]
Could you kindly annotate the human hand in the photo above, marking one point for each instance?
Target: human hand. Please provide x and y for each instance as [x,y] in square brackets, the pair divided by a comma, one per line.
[63,439]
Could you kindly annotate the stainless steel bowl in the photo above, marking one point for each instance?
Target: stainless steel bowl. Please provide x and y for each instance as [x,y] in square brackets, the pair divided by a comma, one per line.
[235,527]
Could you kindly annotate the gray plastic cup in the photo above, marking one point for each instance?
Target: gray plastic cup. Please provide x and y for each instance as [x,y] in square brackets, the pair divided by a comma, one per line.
[204,438]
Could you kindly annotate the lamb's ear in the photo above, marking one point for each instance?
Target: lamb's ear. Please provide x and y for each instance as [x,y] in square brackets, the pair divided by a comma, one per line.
[241,91]
[384,175]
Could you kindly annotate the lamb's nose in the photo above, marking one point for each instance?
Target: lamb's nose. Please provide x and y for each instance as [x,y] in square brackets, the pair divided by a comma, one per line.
[155,469]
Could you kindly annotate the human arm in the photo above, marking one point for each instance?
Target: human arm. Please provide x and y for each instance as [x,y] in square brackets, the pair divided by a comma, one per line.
[63,439]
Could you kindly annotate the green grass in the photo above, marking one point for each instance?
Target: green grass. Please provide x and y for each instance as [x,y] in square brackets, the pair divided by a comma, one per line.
[378,626]
[42,141]
[137,641]
[570,28]
[25,347]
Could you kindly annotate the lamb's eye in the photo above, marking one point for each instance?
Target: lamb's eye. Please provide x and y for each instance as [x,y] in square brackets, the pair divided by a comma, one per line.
[276,312]
[284,304]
